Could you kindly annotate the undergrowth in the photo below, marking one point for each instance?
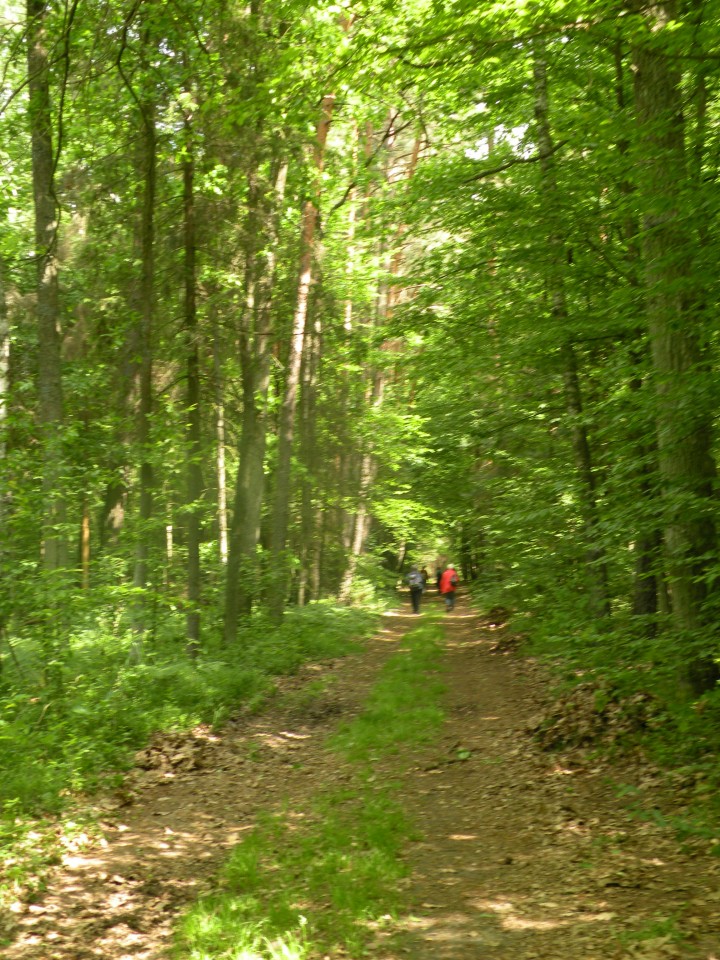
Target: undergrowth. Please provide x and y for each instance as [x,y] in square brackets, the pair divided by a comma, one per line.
[81,730]
[307,881]
[624,659]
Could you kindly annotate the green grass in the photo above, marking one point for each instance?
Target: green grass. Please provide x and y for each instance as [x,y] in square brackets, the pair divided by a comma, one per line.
[325,877]
[403,705]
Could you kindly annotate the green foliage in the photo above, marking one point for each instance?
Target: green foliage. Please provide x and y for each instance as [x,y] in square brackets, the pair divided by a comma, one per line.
[78,732]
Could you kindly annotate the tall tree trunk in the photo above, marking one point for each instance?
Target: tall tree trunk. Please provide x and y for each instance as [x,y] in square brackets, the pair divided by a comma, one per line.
[50,393]
[219,388]
[673,307]
[147,292]
[309,542]
[286,428]
[193,429]
[595,553]
[648,540]
[242,580]
[4,389]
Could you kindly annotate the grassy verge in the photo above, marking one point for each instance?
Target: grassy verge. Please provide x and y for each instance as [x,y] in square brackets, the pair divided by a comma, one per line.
[82,732]
[326,877]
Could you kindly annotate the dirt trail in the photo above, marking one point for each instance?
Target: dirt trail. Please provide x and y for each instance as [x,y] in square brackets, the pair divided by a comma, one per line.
[524,855]
[532,856]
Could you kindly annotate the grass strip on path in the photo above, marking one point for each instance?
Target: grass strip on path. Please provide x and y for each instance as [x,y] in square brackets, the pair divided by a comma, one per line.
[311,880]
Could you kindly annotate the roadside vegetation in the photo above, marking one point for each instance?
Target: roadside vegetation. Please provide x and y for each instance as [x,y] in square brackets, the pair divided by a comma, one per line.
[61,741]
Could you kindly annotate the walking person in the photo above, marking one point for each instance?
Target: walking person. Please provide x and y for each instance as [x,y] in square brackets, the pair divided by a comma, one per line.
[448,586]
[417,585]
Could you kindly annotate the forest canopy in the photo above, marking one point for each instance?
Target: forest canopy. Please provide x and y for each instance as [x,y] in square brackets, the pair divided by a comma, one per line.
[295,294]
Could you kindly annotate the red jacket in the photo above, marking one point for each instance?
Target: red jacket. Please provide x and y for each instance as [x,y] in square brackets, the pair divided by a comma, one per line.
[445,585]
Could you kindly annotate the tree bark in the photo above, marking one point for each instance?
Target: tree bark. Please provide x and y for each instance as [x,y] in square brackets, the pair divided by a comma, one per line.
[193,428]
[4,389]
[648,541]
[219,388]
[309,546]
[50,392]
[242,580]
[673,309]
[147,305]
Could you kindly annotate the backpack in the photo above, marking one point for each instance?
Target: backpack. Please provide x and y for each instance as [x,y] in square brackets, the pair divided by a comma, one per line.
[415,579]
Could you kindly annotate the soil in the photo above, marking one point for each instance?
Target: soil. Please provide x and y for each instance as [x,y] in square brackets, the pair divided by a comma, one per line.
[526,854]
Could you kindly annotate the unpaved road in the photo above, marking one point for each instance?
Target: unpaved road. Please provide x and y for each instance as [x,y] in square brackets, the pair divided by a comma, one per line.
[524,855]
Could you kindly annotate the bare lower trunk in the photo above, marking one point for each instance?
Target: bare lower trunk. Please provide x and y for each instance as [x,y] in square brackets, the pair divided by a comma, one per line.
[309,541]
[147,290]
[4,386]
[648,542]
[242,580]
[193,429]
[222,515]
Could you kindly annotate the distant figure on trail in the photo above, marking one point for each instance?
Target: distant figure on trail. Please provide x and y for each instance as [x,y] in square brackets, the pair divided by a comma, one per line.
[425,575]
[448,586]
[438,577]
[417,585]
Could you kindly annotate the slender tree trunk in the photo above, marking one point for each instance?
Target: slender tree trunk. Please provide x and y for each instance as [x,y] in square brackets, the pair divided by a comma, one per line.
[222,513]
[85,546]
[193,429]
[309,542]
[286,429]
[50,393]
[145,401]
[674,308]
[648,541]
[595,553]
[4,389]
[242,581]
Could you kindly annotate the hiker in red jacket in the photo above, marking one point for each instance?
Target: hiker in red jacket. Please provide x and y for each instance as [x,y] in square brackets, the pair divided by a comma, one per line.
[448,586]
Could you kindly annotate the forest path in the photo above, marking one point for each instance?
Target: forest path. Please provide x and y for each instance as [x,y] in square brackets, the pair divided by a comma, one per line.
[524,854]
[529,855]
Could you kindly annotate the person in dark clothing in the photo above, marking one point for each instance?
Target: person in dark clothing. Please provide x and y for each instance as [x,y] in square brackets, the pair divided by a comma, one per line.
[417,585]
